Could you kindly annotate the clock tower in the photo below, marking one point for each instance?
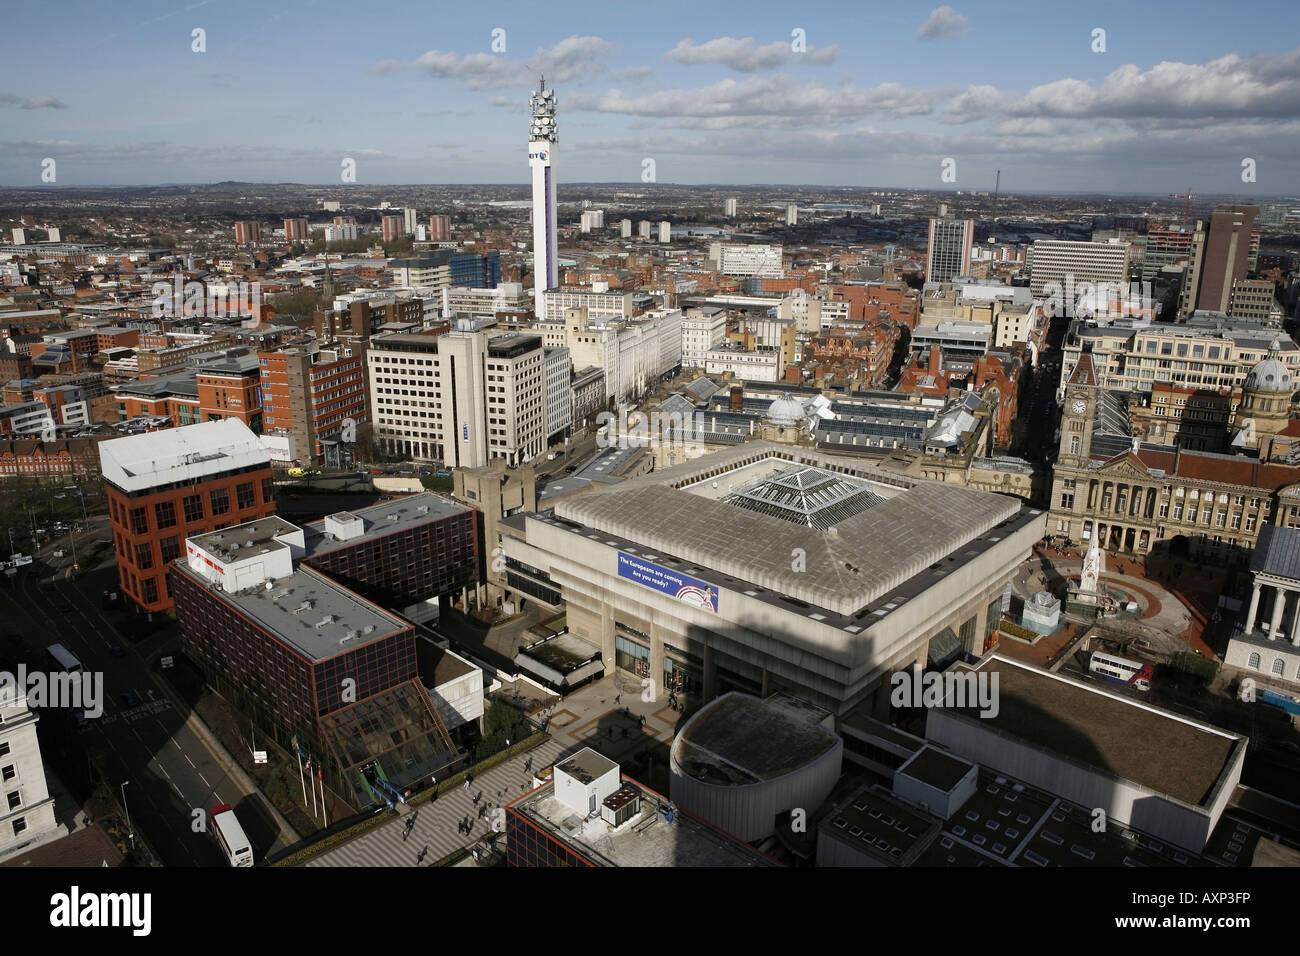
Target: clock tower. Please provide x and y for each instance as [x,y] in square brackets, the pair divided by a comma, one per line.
[1079,413]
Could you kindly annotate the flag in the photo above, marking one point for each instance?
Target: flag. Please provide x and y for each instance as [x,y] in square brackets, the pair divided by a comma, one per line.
[320,774]
[308,764]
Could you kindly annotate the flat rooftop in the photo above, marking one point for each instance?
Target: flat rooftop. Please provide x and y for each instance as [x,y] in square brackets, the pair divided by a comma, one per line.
[400,514]
[644,841]
[738,739]
[936,768]
[252,536]
[190,452]
[1157,749]
[311,614]
[876,823]
[854,574]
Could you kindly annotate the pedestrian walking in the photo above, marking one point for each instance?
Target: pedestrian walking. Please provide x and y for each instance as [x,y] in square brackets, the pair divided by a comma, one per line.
[467,784]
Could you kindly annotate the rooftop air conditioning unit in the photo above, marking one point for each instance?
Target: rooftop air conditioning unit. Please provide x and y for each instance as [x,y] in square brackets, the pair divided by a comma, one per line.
[325,621]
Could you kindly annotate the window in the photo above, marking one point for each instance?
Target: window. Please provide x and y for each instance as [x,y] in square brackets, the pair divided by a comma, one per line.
[1279,666]
[220,498]
[165,512]
[20,825]
[15,800]
[170,548]
[1252,663]
[193,508]
[244,495]
[139,521]
[4,748]
[150,592]
[8,772]
[144,555]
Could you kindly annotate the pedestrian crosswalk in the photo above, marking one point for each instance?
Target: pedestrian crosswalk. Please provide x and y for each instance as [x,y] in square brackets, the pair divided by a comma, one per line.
[434,834]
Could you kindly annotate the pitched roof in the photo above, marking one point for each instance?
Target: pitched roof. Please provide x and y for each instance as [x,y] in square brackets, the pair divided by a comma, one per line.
[1084,373]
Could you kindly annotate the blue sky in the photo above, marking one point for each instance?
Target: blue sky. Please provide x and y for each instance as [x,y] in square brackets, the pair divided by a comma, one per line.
[712,92]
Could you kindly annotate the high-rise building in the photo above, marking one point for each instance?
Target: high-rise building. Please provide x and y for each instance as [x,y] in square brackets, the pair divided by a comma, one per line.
[625,229]
[1220,257]
[392,227]
[729,208]
[542,137]
[559,393]
[752,260]
[1167,247]
[295,230]
[439,228]
[461,398]
[643,230]
[1068,265]
[20,237]
[948,253]
[791,214]
[166,485]
[247,233]
[703,329]
[410,218]
[342,232]
[592,219]
[54,234]
[310,394]
[665,231]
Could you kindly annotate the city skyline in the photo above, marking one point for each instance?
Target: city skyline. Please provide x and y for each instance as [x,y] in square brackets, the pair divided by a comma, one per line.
[820,97]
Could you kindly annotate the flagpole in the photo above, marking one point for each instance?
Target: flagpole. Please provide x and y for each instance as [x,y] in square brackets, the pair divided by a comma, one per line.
[301,779]
[313,794]
[320,774]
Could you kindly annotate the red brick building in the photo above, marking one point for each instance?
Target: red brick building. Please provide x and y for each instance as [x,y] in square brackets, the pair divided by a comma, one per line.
[165,486]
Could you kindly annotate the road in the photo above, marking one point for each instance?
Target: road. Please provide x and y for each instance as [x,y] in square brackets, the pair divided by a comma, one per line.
[169,770]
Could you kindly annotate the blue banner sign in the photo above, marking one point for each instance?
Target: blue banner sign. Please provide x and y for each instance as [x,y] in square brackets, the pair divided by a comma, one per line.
[685,588]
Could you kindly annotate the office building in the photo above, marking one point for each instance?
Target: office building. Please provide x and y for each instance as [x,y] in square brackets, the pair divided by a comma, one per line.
[1220,256]
[308,660]
[1168,251]
[948,250]
[461,398]
[753,260]
[488,302]
[634,352]
[703,330]
[164,486]
[309,395]
[295,230]
[601,304]
[542,139]
[1059,265]
[446,268]
[559,393]
[230,387]
[247,233]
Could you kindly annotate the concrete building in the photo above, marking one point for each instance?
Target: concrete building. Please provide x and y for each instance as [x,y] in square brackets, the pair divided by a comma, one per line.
[748,260]
[703,330]
[665,231]
[625,229]
[948,249]
[590,814]
[600,303]
[559,394]
[729,208]
[1057,263]
[791,214]
[459,398]
[342,232]
[248,233]
[487,303]
[633,353]
[1155,771]
[165,486]
[741,763]
[766,567]
[27,814]
[643,229]
[392,228]
[764,363]
[1220,256]
[296,230]
[439,228]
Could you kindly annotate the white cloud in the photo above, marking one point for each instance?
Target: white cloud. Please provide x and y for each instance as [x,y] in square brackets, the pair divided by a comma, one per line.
[944,23]
[746,56]
[573,58]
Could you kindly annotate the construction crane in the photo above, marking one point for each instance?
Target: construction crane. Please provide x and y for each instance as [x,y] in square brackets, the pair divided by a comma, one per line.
[1187,206]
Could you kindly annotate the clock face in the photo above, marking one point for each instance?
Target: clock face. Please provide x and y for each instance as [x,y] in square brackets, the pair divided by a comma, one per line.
[1079,406]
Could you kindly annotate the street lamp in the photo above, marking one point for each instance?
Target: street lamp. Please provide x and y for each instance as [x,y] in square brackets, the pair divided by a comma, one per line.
[129,829]
[85,516]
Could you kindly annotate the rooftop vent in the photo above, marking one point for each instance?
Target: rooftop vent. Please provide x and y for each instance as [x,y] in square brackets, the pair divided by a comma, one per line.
[327,620]
[304,606]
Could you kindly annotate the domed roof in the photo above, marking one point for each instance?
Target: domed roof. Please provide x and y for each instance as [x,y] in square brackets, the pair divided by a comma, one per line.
[1270,375]
[786,410]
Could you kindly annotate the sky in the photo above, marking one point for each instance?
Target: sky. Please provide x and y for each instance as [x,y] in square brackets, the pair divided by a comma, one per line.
[1103,96]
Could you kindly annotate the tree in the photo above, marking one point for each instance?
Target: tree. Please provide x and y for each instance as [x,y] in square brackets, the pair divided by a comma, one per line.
[502,723]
